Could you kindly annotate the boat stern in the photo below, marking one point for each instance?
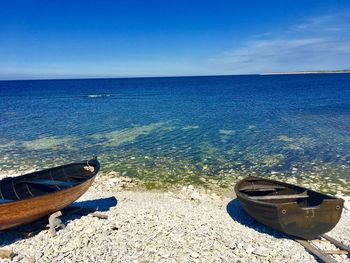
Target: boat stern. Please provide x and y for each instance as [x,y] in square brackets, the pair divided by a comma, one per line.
[310,222]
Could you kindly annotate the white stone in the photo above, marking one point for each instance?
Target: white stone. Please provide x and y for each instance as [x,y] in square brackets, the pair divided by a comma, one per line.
[194,255]
[195,196]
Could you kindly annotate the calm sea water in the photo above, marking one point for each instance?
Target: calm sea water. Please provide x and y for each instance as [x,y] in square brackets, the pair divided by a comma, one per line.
[184,130]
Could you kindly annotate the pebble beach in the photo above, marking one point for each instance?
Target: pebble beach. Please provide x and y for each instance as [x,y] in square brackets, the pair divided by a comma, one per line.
[187,224]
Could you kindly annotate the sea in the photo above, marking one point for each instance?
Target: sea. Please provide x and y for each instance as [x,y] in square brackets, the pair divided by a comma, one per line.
[184,130]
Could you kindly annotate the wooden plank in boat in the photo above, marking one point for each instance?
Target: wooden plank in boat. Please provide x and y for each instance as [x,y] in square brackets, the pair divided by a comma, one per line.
[274,197]
[50,182]
[3,201]
[262,187]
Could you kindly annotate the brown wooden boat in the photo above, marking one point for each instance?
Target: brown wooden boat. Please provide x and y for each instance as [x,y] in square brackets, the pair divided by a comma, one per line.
[291,209]
[26,198]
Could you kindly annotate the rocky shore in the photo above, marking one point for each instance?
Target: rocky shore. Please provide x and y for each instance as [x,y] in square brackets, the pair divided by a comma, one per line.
[182,225]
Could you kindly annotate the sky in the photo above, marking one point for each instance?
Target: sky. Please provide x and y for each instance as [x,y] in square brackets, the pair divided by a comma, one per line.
[92,39]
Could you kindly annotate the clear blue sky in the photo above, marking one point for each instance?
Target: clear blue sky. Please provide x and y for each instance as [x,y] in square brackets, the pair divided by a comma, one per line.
[68,39]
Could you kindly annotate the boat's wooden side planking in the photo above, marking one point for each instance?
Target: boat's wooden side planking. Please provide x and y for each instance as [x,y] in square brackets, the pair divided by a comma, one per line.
[25,211]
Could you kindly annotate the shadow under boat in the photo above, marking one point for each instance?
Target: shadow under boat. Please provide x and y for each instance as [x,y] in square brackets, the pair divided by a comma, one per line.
[237,213]
[70,213]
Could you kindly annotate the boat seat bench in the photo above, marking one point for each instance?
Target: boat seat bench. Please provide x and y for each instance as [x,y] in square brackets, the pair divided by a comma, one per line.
[4,201]
[261,188]
[50,182]
[274,197]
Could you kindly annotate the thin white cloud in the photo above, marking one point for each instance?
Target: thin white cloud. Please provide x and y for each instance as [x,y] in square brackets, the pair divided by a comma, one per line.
[319,43]
[314,23]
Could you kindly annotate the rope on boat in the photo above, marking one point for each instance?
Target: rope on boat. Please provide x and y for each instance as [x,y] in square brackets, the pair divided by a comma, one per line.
[89,167]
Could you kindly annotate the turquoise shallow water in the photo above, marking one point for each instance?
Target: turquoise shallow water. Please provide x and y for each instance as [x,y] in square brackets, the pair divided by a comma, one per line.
[200,130]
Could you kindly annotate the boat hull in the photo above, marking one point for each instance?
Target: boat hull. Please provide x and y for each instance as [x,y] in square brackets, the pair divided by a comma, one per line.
[19,212]
[290,218]
[26,211]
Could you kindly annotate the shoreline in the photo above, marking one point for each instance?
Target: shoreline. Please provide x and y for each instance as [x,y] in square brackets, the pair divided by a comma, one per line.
[188,224]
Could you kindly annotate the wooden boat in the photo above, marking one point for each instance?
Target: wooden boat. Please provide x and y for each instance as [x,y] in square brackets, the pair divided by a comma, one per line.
[291,209]
[26,198]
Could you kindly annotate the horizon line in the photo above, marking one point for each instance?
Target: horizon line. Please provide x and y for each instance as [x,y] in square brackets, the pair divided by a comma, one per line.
[132,77]
[188,76]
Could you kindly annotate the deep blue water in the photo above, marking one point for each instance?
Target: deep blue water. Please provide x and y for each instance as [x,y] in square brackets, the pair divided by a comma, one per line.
[183,129]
